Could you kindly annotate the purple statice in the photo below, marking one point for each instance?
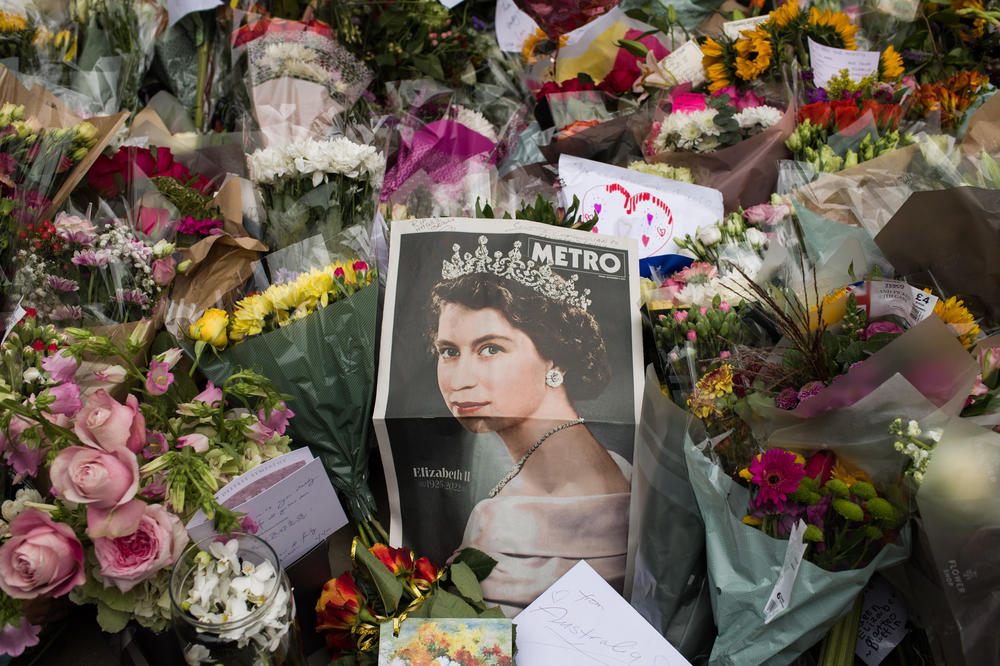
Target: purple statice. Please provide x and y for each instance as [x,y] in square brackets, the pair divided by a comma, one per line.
[91,257]
[787,399]
[61,283]
[283,275]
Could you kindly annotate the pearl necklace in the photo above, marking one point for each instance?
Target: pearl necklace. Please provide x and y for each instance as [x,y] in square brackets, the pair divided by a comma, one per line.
[520,463]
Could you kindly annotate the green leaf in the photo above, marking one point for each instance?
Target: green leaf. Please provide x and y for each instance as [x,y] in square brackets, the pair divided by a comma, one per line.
[479,562]
[446,604]
[738,15]
[493,611]
[111,620]
[385,59]
[389,588]
[466,582]
[638,49]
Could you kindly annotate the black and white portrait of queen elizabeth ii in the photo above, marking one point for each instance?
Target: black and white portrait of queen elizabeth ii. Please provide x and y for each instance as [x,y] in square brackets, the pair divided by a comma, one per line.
[521,363]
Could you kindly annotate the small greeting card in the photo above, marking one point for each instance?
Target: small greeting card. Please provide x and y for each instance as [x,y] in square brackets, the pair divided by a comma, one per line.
[489,642]
[650,209]
[580,619]
[291,500]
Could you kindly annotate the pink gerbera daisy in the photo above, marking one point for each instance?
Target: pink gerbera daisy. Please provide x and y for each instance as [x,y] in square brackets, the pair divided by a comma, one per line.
[777,473]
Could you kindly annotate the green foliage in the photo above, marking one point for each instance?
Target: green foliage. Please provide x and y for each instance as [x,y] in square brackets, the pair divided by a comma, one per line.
[545,212]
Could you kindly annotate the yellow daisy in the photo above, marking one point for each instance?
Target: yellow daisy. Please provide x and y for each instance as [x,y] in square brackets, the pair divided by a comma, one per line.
[834,25]
[753,54]
[890,64]
[784,15]
[954,313]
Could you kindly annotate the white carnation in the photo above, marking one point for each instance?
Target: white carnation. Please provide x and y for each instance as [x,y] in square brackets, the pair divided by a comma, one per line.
[758,116]
[476,122]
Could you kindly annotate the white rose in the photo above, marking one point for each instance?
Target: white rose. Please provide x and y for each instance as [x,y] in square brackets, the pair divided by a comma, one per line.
[709,235]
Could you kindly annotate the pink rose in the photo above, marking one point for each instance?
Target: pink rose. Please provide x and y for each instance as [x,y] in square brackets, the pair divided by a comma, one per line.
[163,271]
[105,423]
[156,544]
[91,476]
[61,367]
[42,557]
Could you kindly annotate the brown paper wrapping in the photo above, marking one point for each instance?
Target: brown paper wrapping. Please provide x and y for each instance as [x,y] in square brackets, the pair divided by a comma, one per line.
[615,141]
[745,173]
[50,112]
[219,264]
[983,132]
[118,333]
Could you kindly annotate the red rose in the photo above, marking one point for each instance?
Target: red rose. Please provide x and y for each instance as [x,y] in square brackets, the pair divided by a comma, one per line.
[845,112]
[397,560]
[820,466]
[618,81]
[424,573]
[818,113]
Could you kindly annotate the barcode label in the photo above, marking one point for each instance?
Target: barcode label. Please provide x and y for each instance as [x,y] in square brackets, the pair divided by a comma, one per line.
[781,594]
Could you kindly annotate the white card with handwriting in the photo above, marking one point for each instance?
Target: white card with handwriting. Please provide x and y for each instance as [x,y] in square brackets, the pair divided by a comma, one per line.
[650,209]
[580,619]
[827,62]
[290,498]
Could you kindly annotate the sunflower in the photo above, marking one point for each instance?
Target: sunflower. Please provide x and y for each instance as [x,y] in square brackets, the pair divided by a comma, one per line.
[890,64]
[753,54]
[532,43]
[832,28]
[11,22]
[714,57]
[977,29]
[785,14]
[954,313]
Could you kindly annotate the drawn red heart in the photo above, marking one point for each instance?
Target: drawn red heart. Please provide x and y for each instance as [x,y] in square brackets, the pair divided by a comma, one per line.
[661,231]
[645,240]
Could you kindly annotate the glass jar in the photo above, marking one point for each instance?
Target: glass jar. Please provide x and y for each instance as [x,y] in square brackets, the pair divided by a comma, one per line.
[267,636]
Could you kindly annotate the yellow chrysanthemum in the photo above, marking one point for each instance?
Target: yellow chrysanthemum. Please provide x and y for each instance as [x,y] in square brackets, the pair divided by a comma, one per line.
[890,64]
[847,473]
[784,15]
[11,22]
[753,54]
[954,313]
[248,317]
[716,383]
[836,22]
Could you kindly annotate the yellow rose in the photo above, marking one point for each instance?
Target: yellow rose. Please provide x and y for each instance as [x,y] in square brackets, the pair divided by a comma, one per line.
[211,328]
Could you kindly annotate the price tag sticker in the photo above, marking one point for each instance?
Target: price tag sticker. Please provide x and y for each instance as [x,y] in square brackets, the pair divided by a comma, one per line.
[883,622]
[781,594]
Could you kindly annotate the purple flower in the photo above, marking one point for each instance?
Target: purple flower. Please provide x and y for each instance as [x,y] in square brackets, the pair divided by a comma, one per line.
[777,473]
[91,257]
[67,398]
[816,513]
[809,390]
[881,327]
[159,378]
[61,367]
[479,24]
[787,399]
[67,312]
[61,283]
[14,638]
[248,524]
[209,396]
[278,420]
[818,95]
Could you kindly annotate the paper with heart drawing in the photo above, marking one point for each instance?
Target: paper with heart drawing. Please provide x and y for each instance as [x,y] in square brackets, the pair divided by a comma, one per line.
[581,619]
[291,499]
[652,210]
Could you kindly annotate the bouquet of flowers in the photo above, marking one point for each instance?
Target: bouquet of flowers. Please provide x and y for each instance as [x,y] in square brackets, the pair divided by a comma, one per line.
[706,123]
[124,475]
[313,335]
[70,271]
[950,98]
[393,585]
[316,187]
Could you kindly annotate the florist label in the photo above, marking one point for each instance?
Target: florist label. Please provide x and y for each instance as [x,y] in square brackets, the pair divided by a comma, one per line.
[883,622]
[827,62]
[882,298]
[781,595]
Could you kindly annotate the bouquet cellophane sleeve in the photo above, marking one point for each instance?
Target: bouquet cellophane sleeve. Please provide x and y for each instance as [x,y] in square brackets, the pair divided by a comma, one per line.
[745,173]
[669,584]
[326,362]
[51,112]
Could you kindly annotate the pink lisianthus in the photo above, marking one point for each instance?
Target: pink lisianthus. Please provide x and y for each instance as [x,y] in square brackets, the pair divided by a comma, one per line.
[42,557]
[14,638]
[157,543]
[61,367]
[66,398]
[767,215]
[104,479]
[107,424]
[159,378]
[989,361]
[195,440]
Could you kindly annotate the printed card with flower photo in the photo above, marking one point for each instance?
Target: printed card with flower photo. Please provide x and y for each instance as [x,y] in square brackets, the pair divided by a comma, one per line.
[652,210]
[448,642]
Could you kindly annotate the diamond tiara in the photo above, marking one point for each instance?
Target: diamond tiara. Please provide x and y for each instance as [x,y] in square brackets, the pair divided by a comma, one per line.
[538,277]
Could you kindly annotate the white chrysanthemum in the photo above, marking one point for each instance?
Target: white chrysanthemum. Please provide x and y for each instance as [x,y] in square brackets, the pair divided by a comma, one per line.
[269,164]
[758,116]
[475,121]
[688,131]
[310,71]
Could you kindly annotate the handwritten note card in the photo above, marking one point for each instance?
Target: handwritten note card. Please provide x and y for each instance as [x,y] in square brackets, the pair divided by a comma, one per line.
[581,619]
[684,64]
[650,209]
[513,26]
[827,62]
[290,498]
[883,622]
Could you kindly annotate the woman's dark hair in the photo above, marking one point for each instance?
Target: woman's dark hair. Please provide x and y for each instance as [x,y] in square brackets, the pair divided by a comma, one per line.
[564,334]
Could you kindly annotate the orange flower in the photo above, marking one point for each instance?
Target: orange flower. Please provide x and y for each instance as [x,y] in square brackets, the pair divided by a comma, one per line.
[424,573]
[397,560]
[340,608]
